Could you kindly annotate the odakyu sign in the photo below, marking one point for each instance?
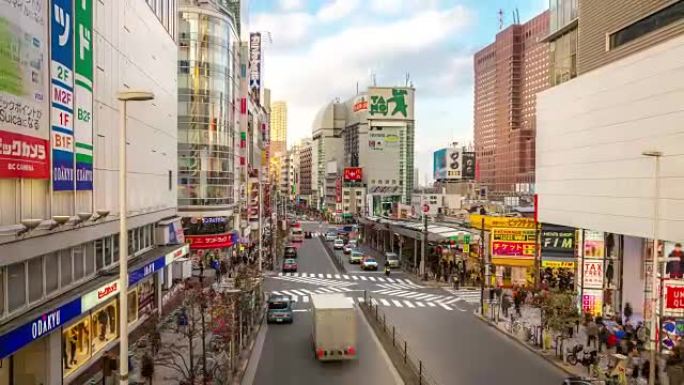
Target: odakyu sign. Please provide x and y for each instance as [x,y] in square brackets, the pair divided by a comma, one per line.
[39,327]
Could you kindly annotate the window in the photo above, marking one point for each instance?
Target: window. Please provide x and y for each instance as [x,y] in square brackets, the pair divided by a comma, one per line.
[16,279]
[107,251]
[655,21]
[51,272]
[65,267]
[99,254]
[79,263]
[90,258]
[131,247]
[170,180]
[35,270]
[115,247]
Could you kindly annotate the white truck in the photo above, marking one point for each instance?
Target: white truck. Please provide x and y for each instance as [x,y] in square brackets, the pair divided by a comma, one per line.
[334,327]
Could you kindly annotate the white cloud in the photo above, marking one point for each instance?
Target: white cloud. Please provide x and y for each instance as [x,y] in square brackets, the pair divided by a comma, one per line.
[337,9]
[330,66]
[287,29]
[394,7]
[290,5]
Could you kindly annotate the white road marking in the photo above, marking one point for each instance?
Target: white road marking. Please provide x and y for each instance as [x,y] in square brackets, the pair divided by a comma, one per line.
[328,276]
[384,302]
[297,292]
[345,276]
[420,304]
[460,308]
[380,279]
[336,290]
[360,299]
[337,276]
[449,302]
[374,302]
[404,294]
[355,278]
[409,304]
[372,278]
[397,303]
[325,290]
[304,275]
[363,278]
[383,291]
[345,289]
[444,306]
[275,293]
[413,295]
[321,276]
[300,310]
[305,299]
[391,280]
[423,296]
[431,304]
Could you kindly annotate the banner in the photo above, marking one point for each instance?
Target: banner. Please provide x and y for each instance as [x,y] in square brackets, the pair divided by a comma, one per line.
[255,63]
[592,302]
[454,167]
[83,67]
[62,94]
[24,105]
[674,297]
[557,241]
[517,243]
[594,244]
[468,165]
[439,164]
[592,274]
[492,221]
[353,174]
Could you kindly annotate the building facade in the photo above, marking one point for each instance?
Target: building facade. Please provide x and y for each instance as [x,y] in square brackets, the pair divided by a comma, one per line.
[327,145]
[278,127]
[608,158]
[59,242]
[305,169]
[508,75]
[208,38]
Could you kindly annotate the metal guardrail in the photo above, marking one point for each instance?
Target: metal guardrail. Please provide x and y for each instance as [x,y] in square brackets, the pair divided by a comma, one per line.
[417,373]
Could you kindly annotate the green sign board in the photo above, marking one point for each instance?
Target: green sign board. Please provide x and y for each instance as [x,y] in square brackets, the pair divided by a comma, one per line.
[381,106]
[83,98]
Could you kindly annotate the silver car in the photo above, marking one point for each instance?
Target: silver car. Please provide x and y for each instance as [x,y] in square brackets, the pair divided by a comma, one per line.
[392,259]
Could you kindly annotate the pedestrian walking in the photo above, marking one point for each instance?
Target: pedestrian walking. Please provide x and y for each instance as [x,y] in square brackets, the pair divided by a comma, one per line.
[216,265]
[505,304]
[592,331]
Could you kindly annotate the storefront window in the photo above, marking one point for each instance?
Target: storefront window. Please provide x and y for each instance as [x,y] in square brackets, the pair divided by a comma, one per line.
[104,321]
[146,295]
[76,348]
[132,306]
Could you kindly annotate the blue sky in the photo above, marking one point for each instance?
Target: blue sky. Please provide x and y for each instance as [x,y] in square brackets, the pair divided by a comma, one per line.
[320,49]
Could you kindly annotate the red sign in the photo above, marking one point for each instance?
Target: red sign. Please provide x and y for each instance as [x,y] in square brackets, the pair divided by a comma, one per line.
[209,241]
[675,297]
[338,190]
[23,156]
[361,104]
[107,290]
[353,174]
[426,208]
[518,249]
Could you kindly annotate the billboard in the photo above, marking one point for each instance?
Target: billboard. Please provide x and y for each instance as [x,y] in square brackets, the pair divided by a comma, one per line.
[515,243]
[454,168]
[255,63]
[476,221]
[24,103]
[62,94]
[385,138]
[390,103]
[353,174]
[468,165]
[360,103]
[83,88]
[338,190]
[557,241]
[439,164]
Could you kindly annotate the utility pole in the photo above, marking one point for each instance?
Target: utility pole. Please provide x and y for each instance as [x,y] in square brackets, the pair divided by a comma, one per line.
[483,267]
[424,246]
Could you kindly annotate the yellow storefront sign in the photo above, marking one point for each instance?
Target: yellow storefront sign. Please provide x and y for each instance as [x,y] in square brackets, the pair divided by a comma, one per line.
[558,264]
[492,221]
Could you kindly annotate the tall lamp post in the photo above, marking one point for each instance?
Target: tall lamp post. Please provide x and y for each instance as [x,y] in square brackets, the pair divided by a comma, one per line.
[124,97]
[654,271]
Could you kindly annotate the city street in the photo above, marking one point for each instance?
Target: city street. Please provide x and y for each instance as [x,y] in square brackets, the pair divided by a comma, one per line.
[441,330]
[286,356]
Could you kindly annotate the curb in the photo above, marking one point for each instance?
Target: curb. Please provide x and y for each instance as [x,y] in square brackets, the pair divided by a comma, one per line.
[244,362]
[526,346]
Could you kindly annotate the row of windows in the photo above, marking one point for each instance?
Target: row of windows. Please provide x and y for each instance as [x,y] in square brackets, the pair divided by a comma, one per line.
[165,10]
[651,23]
[44,277]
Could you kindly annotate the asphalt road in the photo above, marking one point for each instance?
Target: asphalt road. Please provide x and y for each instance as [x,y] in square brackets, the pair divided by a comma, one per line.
[286,356]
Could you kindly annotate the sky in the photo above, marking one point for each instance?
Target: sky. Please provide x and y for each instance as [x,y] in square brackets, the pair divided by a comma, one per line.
[320,49]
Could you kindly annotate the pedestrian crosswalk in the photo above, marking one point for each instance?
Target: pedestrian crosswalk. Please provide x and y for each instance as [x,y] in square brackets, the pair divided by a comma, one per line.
[302,299]
[352,277]
[313,279]
[469,296]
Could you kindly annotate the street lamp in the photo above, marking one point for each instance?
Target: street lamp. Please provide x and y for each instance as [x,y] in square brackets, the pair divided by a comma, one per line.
[124,97]
[654,270]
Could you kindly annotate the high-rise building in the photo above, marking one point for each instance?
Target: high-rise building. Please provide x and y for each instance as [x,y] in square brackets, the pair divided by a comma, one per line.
[206,124]
[59,204]
[278,127]
[327,145]
[562,39]
[304,168]
[508,75]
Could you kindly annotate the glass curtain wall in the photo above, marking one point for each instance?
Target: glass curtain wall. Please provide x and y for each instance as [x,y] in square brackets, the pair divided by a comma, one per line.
[206,108]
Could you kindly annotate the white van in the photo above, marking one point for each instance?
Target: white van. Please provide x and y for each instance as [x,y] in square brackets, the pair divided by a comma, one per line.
[296,235]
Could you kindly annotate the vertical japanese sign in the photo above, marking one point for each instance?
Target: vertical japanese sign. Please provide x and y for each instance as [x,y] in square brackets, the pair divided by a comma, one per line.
[24,144]
[62,94]
[83,67]
[255,63]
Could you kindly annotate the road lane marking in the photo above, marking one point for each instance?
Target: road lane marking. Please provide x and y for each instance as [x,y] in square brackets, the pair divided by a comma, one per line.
[300,310]
[304,275]
[308,291]
[297,292]
[374,302]
[337,276]
[360,299]
[321,276]
[420,304]
[381,279]
[325,290]
[444,306]
[372,278]
[345,289]
[383,291]
[336,290]
[305,299]
[431,304]
[413,295]
[391,280]
[397,303]
[423,296]
[384,302]
[275,293]
[345,276]
[363,278]
[403,293]
[329,276]
[409,304]
[449,302]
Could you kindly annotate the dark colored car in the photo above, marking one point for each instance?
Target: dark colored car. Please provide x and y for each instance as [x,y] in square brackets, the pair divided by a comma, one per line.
[279,309]
[289,266]
[290,252]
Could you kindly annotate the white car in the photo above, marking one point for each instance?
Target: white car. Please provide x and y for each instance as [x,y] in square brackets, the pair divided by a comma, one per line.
[369,263]
[330,236]
[338,244]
